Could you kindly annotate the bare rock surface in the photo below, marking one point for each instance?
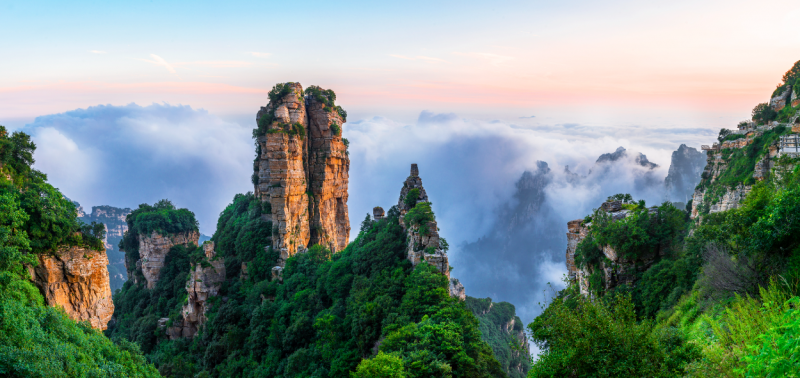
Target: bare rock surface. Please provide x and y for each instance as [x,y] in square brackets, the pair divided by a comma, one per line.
[76,279]
[204,282]
[154,248]
[303,176]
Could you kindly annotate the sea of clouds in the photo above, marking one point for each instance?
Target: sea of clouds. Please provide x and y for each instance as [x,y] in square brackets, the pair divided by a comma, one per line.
[127,155]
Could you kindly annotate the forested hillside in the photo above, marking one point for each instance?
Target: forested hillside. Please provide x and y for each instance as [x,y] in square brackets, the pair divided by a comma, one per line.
[37,220]
[707,291]
[362,310]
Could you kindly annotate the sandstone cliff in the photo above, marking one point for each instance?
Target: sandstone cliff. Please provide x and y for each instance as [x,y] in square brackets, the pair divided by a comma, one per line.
[77,279]
[114,220]
[154,248]
[302,168]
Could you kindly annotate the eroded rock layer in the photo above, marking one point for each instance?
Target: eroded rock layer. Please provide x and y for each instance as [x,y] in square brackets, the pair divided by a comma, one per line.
[77,280]
[204,282]
[302,172]
[154,248]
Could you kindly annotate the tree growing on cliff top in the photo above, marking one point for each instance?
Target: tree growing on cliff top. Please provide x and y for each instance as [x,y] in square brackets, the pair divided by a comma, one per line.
[763,113]
[790,76]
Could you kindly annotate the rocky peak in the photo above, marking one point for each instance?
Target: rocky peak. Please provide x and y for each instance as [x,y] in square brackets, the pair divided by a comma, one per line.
[76,279]
[622,153]
[685,170]
[424,243]
[302,169]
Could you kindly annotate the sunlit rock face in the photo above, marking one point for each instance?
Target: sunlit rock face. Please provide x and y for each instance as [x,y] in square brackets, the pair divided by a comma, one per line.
[153,250]
[114,220]
[76,279]
[303,174]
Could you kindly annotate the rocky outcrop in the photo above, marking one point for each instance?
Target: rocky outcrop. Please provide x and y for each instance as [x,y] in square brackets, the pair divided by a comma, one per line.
[423,239]
[204,282]
[616,270]
[685,172]
[154,248]
[302,171]
[457,289]
[114,220]
[76,279]
[503,330]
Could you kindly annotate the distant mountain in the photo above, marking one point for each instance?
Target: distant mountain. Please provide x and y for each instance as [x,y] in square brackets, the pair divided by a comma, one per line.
[685,172]
[114,220]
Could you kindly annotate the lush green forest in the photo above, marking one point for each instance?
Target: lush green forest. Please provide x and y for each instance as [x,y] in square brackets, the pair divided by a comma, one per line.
[503,330]
[37,340]
[720,295]
[361,311]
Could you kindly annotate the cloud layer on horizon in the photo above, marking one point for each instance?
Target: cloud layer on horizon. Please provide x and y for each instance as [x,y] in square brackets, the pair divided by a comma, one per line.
[127,155]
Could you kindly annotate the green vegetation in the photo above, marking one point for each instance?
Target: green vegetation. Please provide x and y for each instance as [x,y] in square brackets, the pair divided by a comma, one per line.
[328,98]
[411,198]
[37,340]
[763,113]
[597,338]
[420,215]
[162,218]
[280,91]
[719,301]
[741,164]
[336,130]
[364,311]
[506,345]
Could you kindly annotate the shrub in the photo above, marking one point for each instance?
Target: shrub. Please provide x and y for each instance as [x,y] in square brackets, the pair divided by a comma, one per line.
[411,198]
[763,113]
[336,130]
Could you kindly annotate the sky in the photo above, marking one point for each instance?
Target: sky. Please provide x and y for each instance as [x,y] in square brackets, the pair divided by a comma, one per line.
[131,102]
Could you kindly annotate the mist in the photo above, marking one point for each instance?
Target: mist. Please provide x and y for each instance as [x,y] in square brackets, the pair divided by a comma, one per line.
[506,227]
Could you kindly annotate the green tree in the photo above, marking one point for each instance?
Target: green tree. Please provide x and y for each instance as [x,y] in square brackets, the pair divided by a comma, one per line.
[381,366]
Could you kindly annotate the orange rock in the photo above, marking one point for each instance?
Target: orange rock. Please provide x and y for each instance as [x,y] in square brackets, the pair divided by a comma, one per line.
[76,279]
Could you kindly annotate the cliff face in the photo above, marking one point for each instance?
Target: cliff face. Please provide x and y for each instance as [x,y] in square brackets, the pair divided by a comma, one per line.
[114,220]
[154,248]
[685,171]
[302,172]
[328,167]
[204,282]
[77,280]
[615,269]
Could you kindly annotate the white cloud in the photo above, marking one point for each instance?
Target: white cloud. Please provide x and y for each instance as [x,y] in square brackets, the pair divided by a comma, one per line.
[159,61]
[127,155]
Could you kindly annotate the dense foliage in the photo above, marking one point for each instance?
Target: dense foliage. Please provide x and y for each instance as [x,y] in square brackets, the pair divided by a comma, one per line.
[595,338]
[161,218]
[37,340]
[718,301]
[364,311]
[500,327]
